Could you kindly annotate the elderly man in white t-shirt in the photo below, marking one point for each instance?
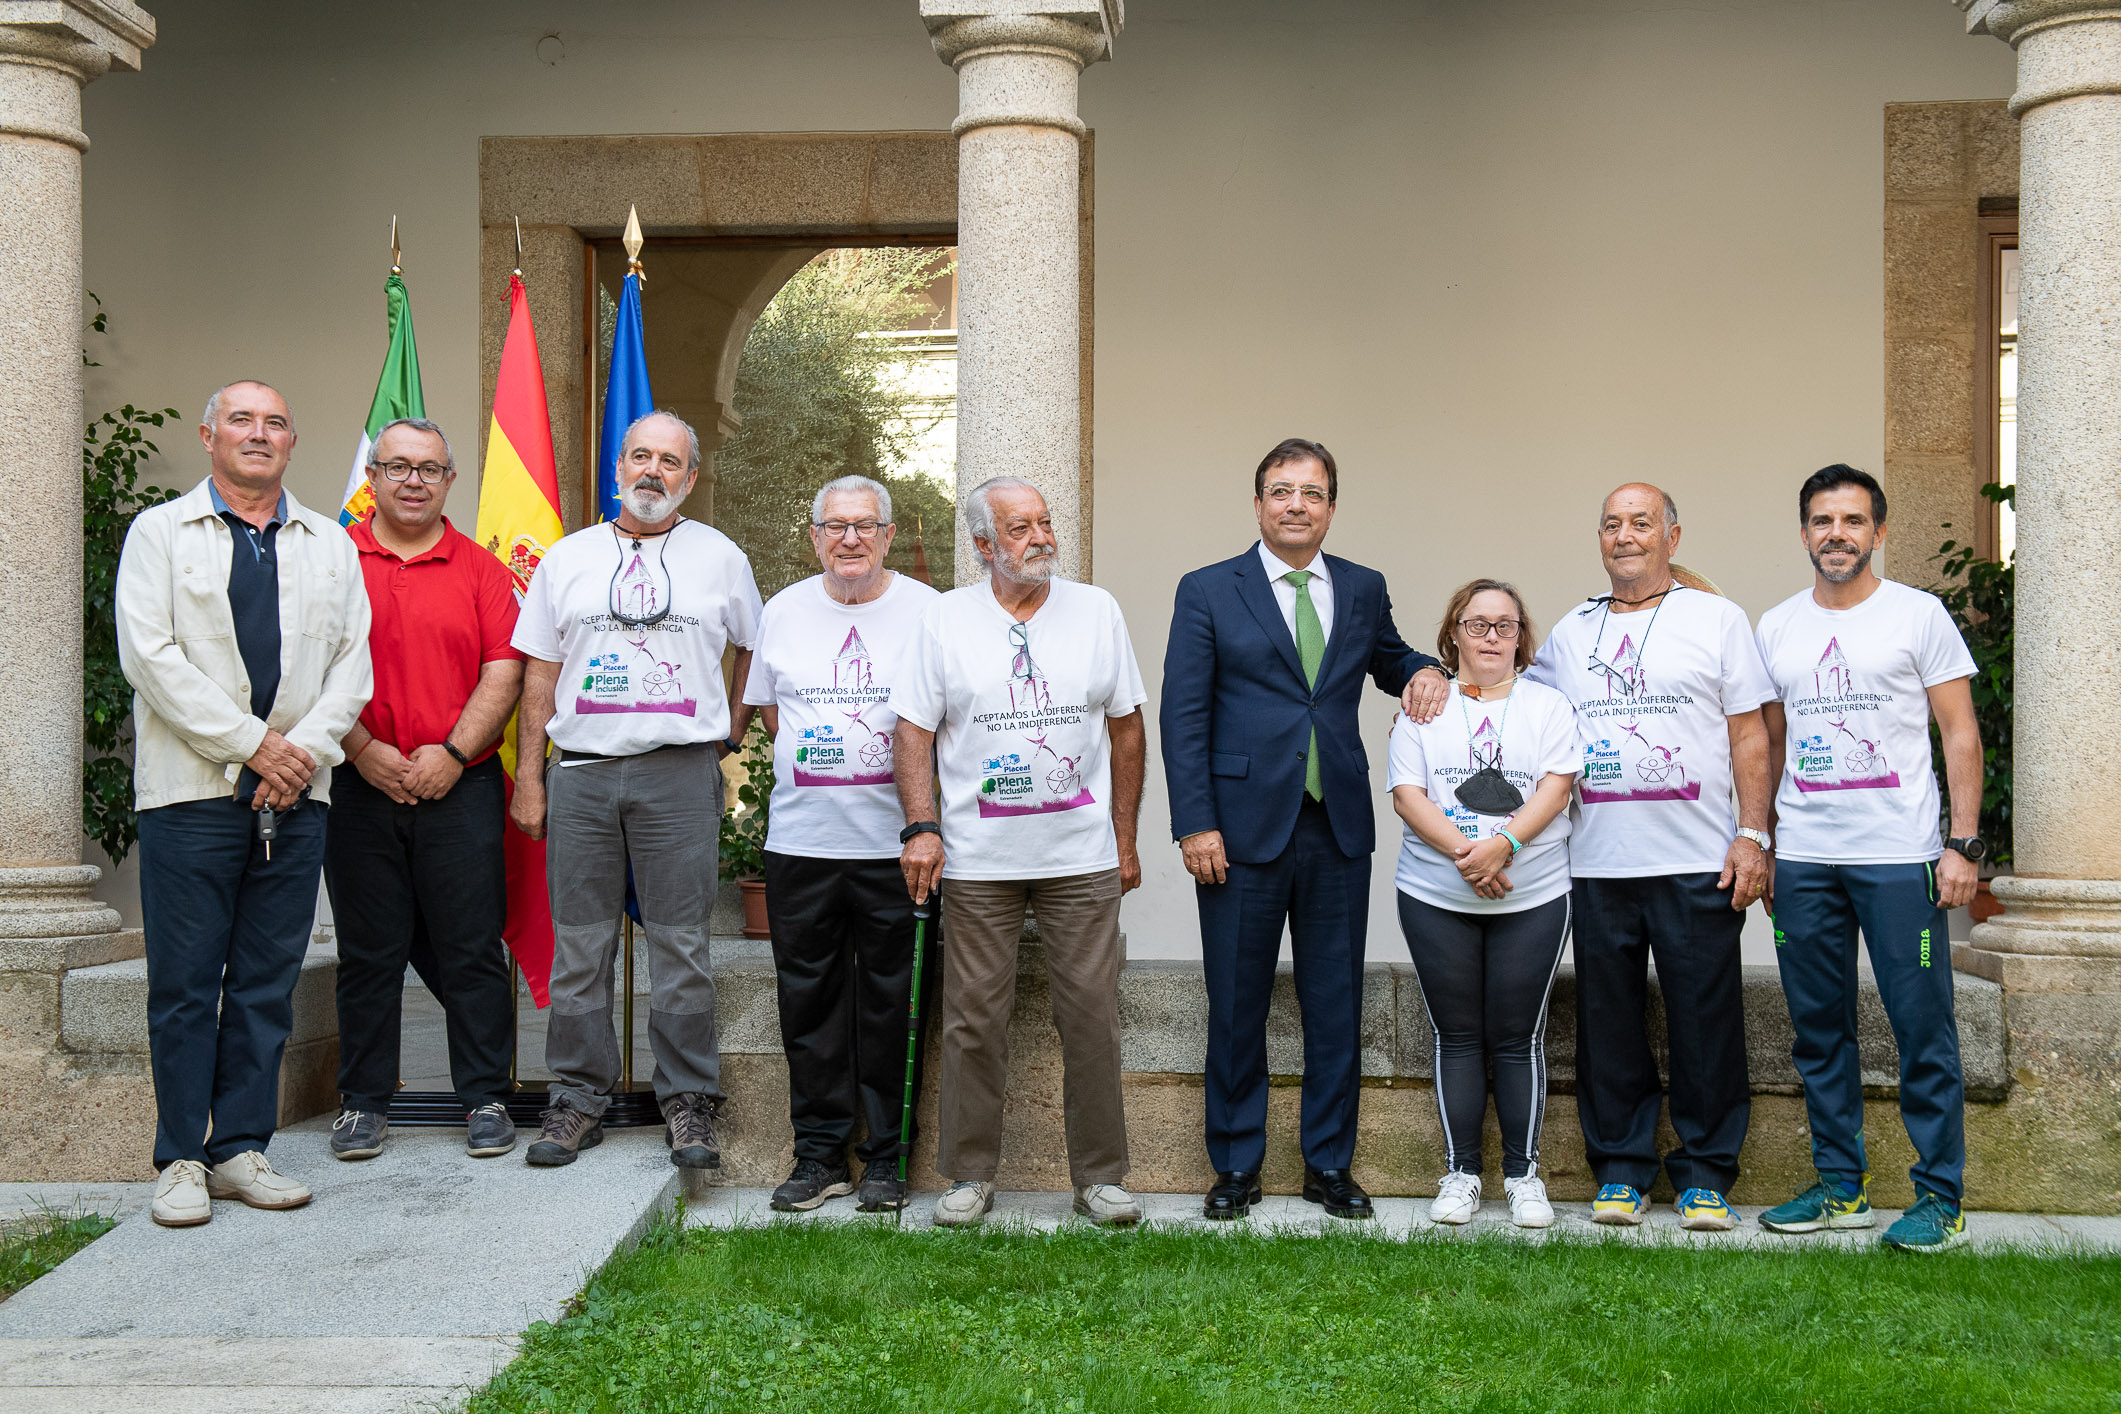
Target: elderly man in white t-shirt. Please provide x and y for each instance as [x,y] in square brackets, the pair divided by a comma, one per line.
[1021,699]
[829,650]
[623,631]
[1667,686]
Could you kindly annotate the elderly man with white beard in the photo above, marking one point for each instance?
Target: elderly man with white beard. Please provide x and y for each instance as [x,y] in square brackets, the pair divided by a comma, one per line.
[624,629]
[1020,697]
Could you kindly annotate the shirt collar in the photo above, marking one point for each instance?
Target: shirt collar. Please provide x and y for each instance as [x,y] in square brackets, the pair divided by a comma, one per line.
[221,508]
[1276,567]
[364,538]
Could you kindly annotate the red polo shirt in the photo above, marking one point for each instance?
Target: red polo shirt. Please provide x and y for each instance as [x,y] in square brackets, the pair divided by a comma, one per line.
[439,617]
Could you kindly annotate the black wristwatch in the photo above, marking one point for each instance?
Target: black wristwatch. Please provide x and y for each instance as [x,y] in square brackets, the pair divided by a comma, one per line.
[451,747]
[1973,847]
[919,827]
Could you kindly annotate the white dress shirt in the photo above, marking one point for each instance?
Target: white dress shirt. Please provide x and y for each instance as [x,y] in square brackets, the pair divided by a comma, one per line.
[1320,585]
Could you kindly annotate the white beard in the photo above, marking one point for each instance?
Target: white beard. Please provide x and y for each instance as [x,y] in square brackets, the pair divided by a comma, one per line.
[648,505]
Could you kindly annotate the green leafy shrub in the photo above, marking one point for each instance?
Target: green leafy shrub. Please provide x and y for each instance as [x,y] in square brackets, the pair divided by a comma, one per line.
[743,835]
[1980,594]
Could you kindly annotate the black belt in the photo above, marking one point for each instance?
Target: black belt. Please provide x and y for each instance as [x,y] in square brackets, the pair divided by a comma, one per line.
[566,755]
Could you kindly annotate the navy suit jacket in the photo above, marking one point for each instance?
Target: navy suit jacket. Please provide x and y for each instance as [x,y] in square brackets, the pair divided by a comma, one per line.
[1237,718]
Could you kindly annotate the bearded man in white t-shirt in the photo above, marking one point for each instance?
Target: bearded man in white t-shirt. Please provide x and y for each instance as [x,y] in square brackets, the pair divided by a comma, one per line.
[1860,666]
[1667,685]
[829,649]
[1021,700]
[623,632]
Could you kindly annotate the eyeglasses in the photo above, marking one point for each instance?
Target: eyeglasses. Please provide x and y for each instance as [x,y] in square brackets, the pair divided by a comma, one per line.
[431,473]
[1288,490]
[837,529]
[1504,629]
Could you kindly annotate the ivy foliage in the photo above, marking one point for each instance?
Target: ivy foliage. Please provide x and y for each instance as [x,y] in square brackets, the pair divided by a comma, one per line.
[743,836]
[1981,596]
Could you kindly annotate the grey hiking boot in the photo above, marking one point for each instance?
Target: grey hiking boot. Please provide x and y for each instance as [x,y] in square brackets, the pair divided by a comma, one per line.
[358,1134]
[488,1131]
[881,1191]
[566,1132]
[688,1127]
[810,1185]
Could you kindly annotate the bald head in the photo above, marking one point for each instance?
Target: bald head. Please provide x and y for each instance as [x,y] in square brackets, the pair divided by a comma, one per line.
[1638,533]
[1638,489]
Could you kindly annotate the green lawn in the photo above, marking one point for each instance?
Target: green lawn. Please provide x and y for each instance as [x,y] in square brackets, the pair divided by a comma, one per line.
[32,1246]
[862,1320]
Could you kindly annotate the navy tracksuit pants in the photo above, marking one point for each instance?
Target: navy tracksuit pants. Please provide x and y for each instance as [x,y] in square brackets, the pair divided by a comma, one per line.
[1818,909]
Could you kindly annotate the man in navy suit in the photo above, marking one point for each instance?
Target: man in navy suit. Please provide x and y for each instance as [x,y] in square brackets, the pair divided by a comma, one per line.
[1272,803]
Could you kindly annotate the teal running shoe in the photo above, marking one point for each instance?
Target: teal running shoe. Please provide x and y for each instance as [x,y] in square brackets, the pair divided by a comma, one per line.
[1619,1205]
[1822,1207]
[1932,1225]
[1703,1210]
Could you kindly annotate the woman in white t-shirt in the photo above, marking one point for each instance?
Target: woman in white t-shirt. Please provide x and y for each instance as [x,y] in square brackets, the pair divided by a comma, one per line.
[1484,888]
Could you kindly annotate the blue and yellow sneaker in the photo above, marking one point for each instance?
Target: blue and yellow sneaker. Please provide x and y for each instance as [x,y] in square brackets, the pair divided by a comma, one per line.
[1932,1225]
[1826,1205]
[1703,1210]
[1619,1205]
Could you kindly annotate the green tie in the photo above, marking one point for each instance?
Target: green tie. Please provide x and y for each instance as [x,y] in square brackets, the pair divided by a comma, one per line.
[1311,648]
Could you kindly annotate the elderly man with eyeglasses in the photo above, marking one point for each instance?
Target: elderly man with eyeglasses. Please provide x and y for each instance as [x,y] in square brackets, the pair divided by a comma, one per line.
[1668,684]
[624,627]
[829,649]
[412,853]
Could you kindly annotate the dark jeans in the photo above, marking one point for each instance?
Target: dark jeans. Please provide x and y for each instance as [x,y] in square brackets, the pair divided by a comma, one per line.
[1818,908]
[226,931]
[1324,898]
[422,884]
[1688,926]
[1485,979]
[843,968]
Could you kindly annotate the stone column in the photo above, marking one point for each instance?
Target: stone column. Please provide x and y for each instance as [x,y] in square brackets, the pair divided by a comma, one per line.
[1019,373]
[48,50]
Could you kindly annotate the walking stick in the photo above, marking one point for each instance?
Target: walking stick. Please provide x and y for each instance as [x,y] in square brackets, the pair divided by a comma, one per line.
[921,914]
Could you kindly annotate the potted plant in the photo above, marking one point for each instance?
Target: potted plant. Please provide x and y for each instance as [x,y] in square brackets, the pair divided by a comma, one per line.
[743,833]
[1980,594]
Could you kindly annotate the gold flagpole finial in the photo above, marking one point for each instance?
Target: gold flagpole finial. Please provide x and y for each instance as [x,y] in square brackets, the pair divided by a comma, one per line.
[394,246]
[519,248]
[633,241]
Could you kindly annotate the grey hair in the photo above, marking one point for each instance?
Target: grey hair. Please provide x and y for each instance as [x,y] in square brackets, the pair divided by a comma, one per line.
[213,400]
[851,484]
[1671,507]
[417,424]
[979,510]
[692,438]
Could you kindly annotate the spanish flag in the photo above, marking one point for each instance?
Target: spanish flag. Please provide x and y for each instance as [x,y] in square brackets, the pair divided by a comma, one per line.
[519,519]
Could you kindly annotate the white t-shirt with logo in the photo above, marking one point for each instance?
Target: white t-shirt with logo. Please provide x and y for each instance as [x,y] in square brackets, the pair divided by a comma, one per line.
[1535,738]
[1857,785]
[828,668]
[1652,691]
[629,688]
[1023,756]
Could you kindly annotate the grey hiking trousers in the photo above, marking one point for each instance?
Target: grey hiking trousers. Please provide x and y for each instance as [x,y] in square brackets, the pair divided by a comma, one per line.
[660,811]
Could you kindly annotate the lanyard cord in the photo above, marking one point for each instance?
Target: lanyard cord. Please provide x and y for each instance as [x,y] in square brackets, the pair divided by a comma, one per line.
[1466,720]
[662,552]
[1640,648]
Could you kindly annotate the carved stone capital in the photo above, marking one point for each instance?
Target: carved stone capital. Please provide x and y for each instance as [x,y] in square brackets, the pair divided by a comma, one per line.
[2053,918]
[2066,48]
[55,46]
[1080,30]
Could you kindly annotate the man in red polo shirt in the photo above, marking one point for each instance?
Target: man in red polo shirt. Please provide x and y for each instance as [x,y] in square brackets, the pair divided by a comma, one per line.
[412,852]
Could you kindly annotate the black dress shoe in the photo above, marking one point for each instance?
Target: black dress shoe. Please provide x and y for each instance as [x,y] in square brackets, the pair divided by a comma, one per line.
[1338,1190]
[1232,1196]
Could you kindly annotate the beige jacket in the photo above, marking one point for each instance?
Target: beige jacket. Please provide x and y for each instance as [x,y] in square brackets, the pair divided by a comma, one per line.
[192,726]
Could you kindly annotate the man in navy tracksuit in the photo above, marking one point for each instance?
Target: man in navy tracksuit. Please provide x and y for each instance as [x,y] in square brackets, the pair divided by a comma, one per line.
[1272,803]
[1860,665]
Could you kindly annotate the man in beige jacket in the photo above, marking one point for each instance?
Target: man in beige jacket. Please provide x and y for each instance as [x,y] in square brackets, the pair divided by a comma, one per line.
[243,629]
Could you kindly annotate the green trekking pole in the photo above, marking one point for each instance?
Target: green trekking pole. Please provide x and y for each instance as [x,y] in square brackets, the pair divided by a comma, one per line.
[922,912]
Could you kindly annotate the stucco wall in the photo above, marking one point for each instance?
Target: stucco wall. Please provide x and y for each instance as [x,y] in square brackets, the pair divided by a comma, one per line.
[1499,257]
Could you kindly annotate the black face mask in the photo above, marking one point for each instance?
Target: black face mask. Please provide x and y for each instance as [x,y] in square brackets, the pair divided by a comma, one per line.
[1489,792]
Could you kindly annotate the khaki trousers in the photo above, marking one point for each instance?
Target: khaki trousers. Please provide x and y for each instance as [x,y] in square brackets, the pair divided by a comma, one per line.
[1078,922]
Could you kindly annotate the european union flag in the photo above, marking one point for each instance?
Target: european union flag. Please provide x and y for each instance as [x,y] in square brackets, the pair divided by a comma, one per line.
[626,395]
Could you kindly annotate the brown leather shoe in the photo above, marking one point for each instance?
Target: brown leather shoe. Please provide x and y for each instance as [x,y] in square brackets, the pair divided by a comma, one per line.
[688,1127]
[565,1132]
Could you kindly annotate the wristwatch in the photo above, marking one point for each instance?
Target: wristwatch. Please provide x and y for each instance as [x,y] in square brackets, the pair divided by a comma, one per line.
[1973,847]
[919,827]
[451,747]
[1759,837]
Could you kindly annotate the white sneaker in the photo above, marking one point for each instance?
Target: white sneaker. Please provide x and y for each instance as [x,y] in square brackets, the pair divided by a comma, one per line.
[1108,1205]
[964,1204]
[180,1195]
[250,1179]
[1457,1198]
[1528,1200]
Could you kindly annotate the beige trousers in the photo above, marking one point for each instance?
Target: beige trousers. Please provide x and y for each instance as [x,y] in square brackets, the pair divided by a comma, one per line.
[1078,921]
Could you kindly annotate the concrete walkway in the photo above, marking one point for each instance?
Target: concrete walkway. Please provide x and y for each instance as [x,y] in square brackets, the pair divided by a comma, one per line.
[401,1287]
[1401,1218]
